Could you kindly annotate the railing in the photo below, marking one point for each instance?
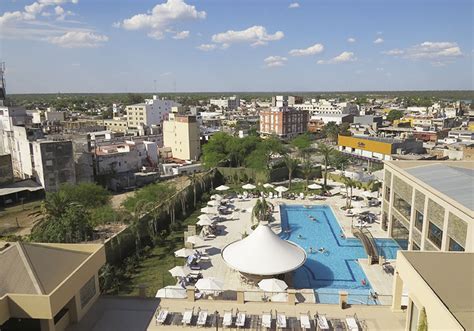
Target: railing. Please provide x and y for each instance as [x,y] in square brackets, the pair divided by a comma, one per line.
[368,242]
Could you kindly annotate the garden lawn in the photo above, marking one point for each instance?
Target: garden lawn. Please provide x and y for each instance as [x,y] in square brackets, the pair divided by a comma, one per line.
[153,270]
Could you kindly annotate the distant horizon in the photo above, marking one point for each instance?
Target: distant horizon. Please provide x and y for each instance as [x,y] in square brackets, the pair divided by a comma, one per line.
[197,46]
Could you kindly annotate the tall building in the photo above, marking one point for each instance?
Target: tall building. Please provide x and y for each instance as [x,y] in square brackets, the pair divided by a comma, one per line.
[429,205]
[286,100]
[181,134]
[53,163]
[285,122]
[151,112]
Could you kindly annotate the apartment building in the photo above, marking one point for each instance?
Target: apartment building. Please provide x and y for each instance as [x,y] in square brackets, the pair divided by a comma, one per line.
[286,100]
[285,122]
[429,205]
[151,112]
[116,124]
[326,107]
[53,163]
[230,103]
[182,135]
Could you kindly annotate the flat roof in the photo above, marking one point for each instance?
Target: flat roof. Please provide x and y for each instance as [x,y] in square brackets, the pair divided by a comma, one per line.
[17,187]
[450,275]
[455,182]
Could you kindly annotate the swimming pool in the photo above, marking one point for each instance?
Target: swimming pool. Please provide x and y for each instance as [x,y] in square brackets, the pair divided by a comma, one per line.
[338,268]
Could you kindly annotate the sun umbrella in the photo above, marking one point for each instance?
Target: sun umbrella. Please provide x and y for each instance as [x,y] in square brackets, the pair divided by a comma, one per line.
[216,197]
[222,188]
[172,292]
[272,285]
[192,240]
[281,189]
[184,252]
[314,186]
[210,284]
[205,222]
[205,217]
[268,185]
[368,194]
[209,210]
[213,203]
[249,187]
[180,271]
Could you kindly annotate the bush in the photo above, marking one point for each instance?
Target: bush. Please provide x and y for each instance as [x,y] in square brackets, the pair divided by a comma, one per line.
[89,195]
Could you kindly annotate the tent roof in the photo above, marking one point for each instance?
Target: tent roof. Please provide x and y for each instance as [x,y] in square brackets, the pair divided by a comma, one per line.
[263,253]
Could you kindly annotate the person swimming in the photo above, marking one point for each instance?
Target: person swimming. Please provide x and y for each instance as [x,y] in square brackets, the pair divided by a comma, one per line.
[300,236]
[311,250]
[322,250]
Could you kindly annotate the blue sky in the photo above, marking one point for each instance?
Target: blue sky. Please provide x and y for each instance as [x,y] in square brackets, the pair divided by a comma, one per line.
[224,45]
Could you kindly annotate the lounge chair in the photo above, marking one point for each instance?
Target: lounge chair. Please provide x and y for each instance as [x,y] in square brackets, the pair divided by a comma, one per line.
[270,195]
[352,324]
[202,318]
[240,319]
[302,196]
[321,322]
[161,316]
[305,321]
[280,320]
[228,320]
[267,320]
[187,316]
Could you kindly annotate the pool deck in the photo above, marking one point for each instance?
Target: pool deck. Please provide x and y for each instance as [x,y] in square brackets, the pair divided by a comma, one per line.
[130,314]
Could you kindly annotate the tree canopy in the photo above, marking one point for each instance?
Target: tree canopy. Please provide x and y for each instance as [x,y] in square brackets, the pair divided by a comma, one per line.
[153,193]
[394,114]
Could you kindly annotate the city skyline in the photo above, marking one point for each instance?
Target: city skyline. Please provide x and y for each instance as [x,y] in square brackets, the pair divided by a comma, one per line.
[189,46]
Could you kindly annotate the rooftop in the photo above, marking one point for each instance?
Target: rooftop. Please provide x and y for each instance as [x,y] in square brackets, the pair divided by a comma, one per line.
[455,182]
[459,299]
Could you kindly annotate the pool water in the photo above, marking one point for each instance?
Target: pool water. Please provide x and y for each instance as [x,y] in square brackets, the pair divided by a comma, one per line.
[337,268]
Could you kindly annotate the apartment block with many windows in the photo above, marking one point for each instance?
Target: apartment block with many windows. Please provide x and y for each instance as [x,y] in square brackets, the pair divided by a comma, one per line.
[285,122]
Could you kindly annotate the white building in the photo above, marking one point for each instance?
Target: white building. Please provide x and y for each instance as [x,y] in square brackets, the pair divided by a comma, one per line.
[53,115]
[151,112]
[325,107]
[230,103]
[181,133]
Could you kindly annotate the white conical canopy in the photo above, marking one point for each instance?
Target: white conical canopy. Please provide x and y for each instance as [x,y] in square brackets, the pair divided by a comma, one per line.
[263,253]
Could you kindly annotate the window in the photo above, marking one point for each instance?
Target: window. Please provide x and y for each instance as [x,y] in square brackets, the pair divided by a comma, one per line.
[387,192]
[88,291]
[401,205]
[454,246]
[435,234]
[415,247]
[414,317]
[418,220]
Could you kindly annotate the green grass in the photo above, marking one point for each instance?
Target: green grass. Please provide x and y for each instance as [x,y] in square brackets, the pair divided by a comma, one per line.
[19,213]
[153,270]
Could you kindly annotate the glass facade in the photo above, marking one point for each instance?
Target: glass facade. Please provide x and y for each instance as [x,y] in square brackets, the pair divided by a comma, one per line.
[400,233]
[454,246]
[418,220]
[402,206]
[435,235]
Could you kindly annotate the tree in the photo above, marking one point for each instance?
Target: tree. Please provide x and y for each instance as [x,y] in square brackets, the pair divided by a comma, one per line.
[349,184]
[291,165]
[89,195]
[339,160]
[262,211]
[307,170]
[344,129]
[301,142]
[394,114]
[331,131]
[154,193]
[325,151]
[194,181]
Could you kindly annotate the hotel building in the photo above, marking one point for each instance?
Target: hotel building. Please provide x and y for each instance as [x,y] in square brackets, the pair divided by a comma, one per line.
[285,122]
[429,205]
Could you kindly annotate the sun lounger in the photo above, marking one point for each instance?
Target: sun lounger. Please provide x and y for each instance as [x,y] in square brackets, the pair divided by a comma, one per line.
[240,319]
[280,320]
[227,321]
[322,322]
[202,318]
[302,196]
[304,321]
[351,322]
[161,316]
[267,320]
[187,316]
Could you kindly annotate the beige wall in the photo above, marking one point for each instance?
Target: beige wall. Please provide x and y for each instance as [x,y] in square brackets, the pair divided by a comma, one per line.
[183,138]
[421,294]
[455,222]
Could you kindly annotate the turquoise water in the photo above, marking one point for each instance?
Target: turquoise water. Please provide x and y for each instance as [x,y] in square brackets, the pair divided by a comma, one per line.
[337,268]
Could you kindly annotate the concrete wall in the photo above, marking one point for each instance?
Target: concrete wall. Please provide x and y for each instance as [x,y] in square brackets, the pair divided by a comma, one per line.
[6,169]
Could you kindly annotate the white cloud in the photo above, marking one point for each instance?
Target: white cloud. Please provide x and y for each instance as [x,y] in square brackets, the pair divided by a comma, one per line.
[312,50]
[294,5]
[255,35]
[207,47]
[378,41]
[78,39]
[275,61]
[437,52]
[163,16]
[341,58]
[181,35]
[116,25]
[379,69]
[58,10]
[351,40]
[165,74]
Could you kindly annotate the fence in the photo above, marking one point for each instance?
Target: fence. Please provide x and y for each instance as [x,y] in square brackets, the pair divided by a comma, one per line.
[148,225]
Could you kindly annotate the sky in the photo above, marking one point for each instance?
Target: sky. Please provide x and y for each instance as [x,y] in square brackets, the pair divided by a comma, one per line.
[99,46]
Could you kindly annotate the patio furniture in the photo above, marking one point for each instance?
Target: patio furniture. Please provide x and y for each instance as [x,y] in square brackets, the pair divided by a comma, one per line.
[202,318]
[267,319]
[240,319]
[187,316]
[161,316]
[301,196]
[321,322]
[305,321]
[228,320]
[352,324]
[280,320]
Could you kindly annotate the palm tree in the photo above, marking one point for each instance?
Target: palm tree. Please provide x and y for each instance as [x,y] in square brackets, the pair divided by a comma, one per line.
[307,170]
[262,211]
[325,151]
[291,164]
[194,181]
[350,184]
